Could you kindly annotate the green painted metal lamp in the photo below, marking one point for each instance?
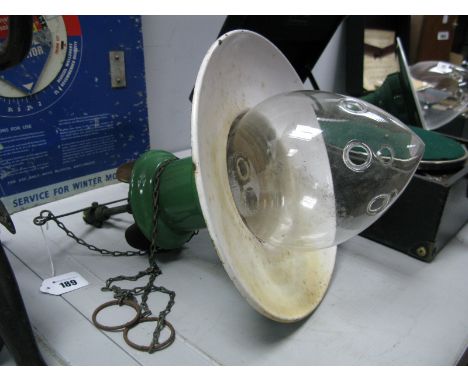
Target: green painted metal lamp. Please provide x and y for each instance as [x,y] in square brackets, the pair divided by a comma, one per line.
[279,175]
[442,96]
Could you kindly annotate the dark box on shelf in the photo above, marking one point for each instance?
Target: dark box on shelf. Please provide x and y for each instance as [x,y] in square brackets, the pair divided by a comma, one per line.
[431,210]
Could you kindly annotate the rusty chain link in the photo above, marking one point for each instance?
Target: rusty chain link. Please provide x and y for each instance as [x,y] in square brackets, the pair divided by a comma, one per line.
[45,216]
[153,271]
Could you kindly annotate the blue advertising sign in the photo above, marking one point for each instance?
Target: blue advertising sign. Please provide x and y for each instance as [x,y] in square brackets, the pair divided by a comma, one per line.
[63,127]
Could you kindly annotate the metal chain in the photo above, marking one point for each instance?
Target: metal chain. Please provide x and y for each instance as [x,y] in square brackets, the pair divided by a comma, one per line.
[46,216]
[153,271]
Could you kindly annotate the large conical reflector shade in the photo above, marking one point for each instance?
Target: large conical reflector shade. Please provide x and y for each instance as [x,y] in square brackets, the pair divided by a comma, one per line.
[240,70]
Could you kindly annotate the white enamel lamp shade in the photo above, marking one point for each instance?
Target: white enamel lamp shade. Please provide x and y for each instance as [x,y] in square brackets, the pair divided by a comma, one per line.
[284,174]
[240,70]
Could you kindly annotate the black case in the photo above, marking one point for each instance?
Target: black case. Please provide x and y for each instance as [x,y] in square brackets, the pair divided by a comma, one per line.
[434,207]
[431,210]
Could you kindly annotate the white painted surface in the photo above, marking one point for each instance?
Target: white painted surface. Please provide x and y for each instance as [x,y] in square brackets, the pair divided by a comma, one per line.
[382,306]
[174,48]
[330,69]
[279,286]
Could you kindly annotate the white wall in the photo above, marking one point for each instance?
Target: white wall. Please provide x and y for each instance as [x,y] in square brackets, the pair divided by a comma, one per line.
[174,48]
[330,69]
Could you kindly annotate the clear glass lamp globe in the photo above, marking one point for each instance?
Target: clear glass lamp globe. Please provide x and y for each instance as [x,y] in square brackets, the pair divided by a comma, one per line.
[309,170]
[442,91]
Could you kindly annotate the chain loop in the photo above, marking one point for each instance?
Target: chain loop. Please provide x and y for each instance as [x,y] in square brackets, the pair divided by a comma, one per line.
[46,216]
[128,296]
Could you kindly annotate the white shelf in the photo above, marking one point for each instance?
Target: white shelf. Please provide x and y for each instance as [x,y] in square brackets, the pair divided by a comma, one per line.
[382,307]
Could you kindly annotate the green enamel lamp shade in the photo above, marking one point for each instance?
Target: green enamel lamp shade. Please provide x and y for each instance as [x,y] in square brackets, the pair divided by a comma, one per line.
[398,96]
[440,151]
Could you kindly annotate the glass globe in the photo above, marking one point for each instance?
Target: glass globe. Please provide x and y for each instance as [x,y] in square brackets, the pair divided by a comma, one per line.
[309,170]
[442,91]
